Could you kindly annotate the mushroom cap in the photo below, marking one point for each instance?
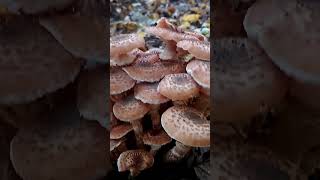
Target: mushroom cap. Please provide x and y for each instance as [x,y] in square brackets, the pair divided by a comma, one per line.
[32,62]
[120,81]
[88,41]
[135,159]
[148,93]
[160,138]
[168,31]
[123,43]
[153,72]
[199,49]
[186,125]
[92,96]
[288,31]
[61,147]
[178,87]
[124,59]
[243,72]
[200,72]
[130,109]
[34,6]
[120,130]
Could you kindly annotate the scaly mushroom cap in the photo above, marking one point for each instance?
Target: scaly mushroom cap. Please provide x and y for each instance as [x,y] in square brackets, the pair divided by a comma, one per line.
[153,72]
[200,71]
[120,130]
[288,31]
[124,59]
[199,49]
[92,97]
[161,138]
[87,42]
[186,125]
[178,87]
[130,109]
[120,81]
[243,72]
[123,43]
[148,93]
[136,160]
[34,6]
[32,62]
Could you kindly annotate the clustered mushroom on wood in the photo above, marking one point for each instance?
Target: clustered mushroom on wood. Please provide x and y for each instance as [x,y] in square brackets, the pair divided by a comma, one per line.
[170,85]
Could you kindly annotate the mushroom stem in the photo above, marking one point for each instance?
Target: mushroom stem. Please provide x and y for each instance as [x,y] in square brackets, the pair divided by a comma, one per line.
[138,130]
[177,153]
[155,117]
[169,50]
[154,149]
[180,103]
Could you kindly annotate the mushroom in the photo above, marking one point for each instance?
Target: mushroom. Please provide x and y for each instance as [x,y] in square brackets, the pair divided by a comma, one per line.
[188,127]
[120,130]
[120,82]
[87,42]
[122,44]
[243,72]
[132,110]
[156,140]
[178,87]
[153,72]
[200,72]
[92,98]
[273,24]
[28,70]
[199,49]
[135,161]
[171,35]
[147,93]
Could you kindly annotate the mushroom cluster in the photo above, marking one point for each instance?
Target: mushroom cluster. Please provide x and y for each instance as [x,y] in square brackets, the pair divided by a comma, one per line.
[159,94]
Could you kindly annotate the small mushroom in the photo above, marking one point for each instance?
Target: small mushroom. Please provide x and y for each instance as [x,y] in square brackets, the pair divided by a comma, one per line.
[132,110]
[153,72]
[170,35]
[87,42]
[178,87]
[147,93]
[135,161]
[199,49]
[120,81]
[200,72]
[188,127]
[124,43]
[156,140]
[120,130]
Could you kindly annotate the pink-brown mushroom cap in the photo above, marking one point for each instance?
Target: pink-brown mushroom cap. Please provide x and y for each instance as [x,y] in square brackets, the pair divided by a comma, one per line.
[199,49]
[123,43]
[135,159]
[200,71]
[120,130]
[178,87]
[147,93]
[120,81]
[186,125]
